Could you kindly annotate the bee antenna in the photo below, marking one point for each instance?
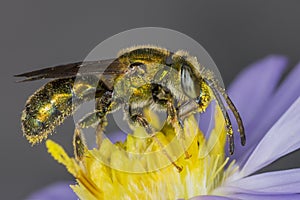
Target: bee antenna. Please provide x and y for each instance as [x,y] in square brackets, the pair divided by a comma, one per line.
[225,114]
[237,116]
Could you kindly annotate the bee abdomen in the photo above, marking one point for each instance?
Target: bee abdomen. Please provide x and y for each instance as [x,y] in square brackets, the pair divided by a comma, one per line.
[47,108]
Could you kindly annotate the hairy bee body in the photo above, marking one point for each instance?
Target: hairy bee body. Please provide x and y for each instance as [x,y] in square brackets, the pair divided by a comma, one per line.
[47,108]
[141,76]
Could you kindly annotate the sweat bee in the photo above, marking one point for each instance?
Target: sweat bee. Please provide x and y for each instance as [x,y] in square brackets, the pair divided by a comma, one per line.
[140,76]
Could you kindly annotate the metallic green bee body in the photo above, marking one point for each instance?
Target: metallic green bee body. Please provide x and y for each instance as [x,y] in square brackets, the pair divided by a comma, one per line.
[142,76]
[47,108]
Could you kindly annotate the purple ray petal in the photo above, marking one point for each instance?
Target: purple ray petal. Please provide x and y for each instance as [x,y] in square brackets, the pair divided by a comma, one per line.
[281,139]
[286,94]
[57,191]
[206,119]
[283,98]
[253,87]
[266,197]
[251,91]
[210,198]
[278,182]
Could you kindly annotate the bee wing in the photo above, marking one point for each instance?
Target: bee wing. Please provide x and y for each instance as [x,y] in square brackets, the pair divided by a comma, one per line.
[105,67]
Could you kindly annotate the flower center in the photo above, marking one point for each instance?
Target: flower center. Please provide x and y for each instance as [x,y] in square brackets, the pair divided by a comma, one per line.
[145,168]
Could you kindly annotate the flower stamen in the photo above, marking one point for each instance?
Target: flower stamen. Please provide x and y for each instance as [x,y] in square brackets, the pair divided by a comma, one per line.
[148,167]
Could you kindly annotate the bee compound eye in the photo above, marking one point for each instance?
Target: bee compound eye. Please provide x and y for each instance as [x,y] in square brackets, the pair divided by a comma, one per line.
[188,82]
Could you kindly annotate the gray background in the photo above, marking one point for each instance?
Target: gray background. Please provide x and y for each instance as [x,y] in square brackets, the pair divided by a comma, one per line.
[44,33]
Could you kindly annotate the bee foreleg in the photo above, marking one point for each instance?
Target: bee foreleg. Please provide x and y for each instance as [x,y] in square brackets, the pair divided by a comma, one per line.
[163,96]
[137,117]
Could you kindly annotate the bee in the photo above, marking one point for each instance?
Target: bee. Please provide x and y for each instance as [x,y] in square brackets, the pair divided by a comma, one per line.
[139,77]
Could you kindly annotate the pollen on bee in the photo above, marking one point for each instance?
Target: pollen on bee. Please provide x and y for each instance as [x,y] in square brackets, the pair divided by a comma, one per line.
[46,109]
[141,76]
[44,112]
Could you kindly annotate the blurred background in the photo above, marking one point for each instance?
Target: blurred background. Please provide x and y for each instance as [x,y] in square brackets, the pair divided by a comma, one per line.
[35,34]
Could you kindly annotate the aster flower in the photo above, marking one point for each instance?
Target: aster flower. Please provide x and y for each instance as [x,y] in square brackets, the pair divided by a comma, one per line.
[271,122]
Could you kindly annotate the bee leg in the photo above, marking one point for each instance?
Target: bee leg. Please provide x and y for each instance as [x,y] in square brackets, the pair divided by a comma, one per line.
[98,117]
[90,120]
[163,96]
[138,118]
[79,145]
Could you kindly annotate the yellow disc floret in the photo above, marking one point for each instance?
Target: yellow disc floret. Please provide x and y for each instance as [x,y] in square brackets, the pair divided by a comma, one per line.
[133,169]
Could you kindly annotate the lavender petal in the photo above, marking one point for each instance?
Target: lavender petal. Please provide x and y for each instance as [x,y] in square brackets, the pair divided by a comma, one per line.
[209,197]
[254,86]
[278,182]
[251,91]
[280,140]
[266,197]
[57,191]
[287,93]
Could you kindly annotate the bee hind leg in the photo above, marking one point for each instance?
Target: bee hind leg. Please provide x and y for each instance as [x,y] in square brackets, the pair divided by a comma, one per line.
[79,145]
[98,117]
